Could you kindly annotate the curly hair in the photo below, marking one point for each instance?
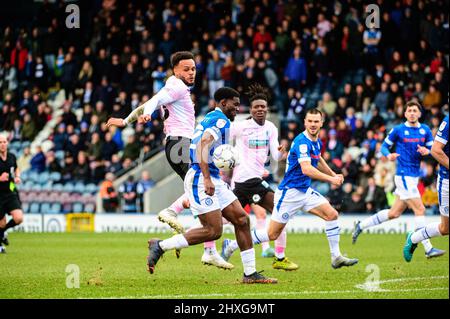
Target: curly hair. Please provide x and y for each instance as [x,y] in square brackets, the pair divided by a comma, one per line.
[257,92]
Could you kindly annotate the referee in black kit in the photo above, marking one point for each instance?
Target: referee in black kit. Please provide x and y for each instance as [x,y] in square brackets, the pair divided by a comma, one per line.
[9,197]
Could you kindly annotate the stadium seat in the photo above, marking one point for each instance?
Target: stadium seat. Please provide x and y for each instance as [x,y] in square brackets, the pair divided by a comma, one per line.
[48,186]
[58,187]
[55,208]
[43,178]
[34,208]
[45,207]
[55,176]
[79,188]
[89,207]
[91,188]
[69,187]
[25,207]
[34,176]
[77,207]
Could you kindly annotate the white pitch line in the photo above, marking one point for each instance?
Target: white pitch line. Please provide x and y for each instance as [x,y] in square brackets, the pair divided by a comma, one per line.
[274,293]
[374,285]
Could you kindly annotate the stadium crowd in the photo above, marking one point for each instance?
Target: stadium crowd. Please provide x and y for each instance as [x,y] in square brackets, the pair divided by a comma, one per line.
[308,54]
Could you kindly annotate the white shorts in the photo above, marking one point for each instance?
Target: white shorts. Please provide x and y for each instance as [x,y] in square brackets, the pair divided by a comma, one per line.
[406,187]
[442,188]
[202,203]
[289,201]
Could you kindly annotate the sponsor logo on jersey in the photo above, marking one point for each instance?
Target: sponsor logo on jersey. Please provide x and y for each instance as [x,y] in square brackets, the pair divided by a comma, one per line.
[256,198]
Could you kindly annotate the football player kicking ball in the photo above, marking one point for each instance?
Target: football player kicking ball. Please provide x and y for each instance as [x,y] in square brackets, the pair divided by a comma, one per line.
[413,141]
[255,137]
[439,151]
[175,99]
[209,196]
[305,163]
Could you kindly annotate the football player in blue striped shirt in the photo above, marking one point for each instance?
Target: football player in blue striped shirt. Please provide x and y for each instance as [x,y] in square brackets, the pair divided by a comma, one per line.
[439,151]
[413,141]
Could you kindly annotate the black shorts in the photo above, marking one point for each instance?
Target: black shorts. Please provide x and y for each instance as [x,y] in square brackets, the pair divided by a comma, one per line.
[251,191]
[8,203]
[177,154]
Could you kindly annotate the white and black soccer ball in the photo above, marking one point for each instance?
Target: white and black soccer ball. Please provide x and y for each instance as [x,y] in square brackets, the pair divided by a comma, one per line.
[225,157]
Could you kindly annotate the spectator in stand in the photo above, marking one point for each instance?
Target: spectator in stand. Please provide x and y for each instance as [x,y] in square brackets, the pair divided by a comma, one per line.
[334,147]
[108,194]
[375,197]
[128,194]
[132,149]
[143,185]
[213,73]
[38,161]
[295,71]
[51,163]
[82,170]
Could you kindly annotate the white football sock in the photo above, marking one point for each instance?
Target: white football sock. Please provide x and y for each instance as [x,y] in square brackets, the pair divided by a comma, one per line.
[259,236]
[248,261]
[420,223]
[333,234]
[429,231]
[233,245]
[375,219]
[175,242]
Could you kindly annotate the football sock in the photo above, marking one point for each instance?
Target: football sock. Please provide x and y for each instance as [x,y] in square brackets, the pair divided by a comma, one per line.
[259,236]
[248,261]
[10,224]
[175,242]
[375,219]
[177,205]
[333,234]
[420,224]
[280,244]
[261,224]
[210,247]
[429,231]
[234,245]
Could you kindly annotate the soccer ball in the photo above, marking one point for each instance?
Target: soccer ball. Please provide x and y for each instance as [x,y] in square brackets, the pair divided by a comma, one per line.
[225,157]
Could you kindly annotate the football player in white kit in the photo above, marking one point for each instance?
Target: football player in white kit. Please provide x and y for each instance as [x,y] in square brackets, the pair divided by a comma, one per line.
[179,124]
[439,151]
[255,138]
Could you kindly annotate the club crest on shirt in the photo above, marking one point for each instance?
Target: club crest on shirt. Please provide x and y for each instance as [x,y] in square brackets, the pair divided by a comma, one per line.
[256,198]
[221,123]
[406,133]
[422,131]
[208,201]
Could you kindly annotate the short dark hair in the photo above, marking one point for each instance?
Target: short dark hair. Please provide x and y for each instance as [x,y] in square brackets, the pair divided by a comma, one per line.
[314,111]
[225,93]
[413,103]
[180,55]
[257,92]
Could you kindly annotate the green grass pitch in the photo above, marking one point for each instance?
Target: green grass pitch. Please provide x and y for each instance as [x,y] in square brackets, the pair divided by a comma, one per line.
[113,265]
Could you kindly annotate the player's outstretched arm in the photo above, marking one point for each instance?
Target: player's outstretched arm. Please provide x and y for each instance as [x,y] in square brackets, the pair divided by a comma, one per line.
[437,151]
[203,148]
[324,168]
[314,173]
[132,117]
